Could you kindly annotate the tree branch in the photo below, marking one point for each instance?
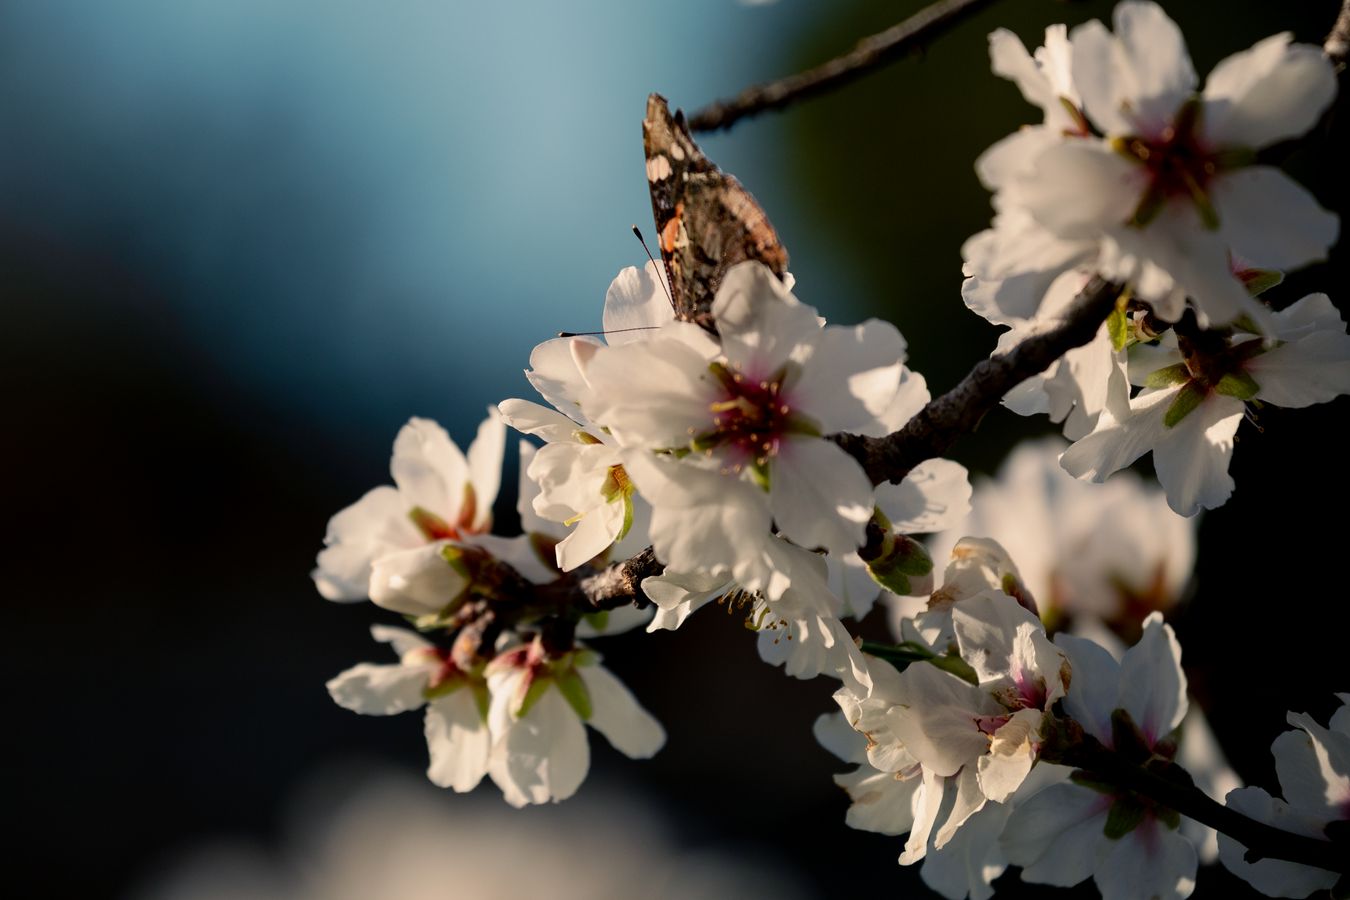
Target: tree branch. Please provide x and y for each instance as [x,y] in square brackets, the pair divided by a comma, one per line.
[621,583]
[1337,44]
[1261,840]
[871,52]
[938,425]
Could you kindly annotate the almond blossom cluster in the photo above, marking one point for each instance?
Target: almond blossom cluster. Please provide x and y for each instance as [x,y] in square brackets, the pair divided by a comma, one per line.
[1032,710]
[1138,175]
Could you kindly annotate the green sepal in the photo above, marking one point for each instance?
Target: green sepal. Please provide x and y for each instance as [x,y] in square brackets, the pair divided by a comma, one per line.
[585,657]
[481,698]
[1118,327]
[955,665]
[1083,779]
[455,556]
[1150,205]
[1076,114]
[538,685]
[1209,216]
[759,472]
[1239,385]
[1234,158]
[1166,377]
[1125,816]
[1185,402]
[803,426]
[597,620]
[574,691]
[445,688]
[1257,282]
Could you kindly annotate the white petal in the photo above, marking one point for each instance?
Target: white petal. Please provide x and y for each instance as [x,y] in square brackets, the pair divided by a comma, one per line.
[485,467]
[1269,93]
[543,756]
[933,496]
[370,527]
[761,323]
[530,521]
[457,741]
[910,397]
[1315,369]
[651,393]
[938,726]
[1077,189]
[401,640]
[375,690]
[429,469]
[832,731]
[819,495]
[1152,685]
[1272,877]
[1314,769]
[1056,835]
[531,418]
[554,374]
[1152,862]
[1270,219]
[615,713]
[967,800]
[1114,445]
[1191,457]
[881,803]
[968,864]
[851,375]
[927,805]
[1136,81]
[1008,58]
[1094,687]
[636,301]
[594,533]
[415,582]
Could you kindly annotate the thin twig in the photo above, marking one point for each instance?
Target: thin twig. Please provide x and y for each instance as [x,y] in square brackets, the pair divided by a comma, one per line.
[1337,44]
[957,412]
[871,52]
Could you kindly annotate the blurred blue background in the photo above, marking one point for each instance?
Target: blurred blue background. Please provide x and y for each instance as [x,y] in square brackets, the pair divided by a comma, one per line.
[241,243]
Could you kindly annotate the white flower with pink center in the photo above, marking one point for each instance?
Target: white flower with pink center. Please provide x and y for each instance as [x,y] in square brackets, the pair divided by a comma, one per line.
[391,545]
[724,441]
[1172,191]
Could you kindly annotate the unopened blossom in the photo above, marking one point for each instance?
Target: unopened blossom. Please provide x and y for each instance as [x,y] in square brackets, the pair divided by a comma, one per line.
[724,439]
[456,703]
[391,544]
[1171,191]
[1088,554]
[1195,396]
[1313,765]
[1128,845]
[541,702]
[581,480]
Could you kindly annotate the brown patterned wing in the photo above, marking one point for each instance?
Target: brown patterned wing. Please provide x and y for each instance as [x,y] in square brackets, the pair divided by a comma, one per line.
[705,221]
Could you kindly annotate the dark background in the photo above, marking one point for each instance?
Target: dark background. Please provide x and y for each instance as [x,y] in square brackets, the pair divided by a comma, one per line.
[240,244]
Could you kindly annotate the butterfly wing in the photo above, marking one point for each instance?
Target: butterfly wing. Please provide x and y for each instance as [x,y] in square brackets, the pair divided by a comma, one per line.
[705,221]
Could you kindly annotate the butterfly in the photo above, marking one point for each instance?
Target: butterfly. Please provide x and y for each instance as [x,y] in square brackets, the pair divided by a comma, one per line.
[705,221]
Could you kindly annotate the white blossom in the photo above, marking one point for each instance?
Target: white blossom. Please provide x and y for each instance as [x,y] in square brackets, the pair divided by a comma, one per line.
[539,704]
[1062,836]
[456,703]
[1192,404]
[1313,765]
[747,419]
[391,544]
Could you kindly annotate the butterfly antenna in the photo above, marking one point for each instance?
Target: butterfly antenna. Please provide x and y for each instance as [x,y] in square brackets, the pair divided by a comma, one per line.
[572,334]
[659,269]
